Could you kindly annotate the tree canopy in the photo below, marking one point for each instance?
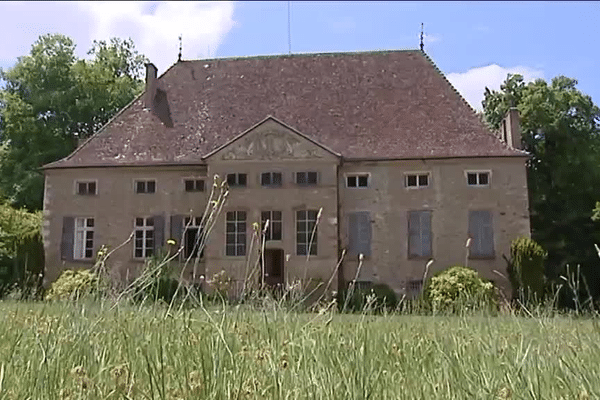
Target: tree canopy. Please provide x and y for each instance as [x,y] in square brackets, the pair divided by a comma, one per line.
[51,100]
[561,130]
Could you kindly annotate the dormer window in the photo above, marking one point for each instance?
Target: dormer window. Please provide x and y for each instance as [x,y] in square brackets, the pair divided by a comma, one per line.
[478,178]
[86,188]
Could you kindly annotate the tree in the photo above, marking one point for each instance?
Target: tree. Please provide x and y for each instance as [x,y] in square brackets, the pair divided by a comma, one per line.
[561,131]
[51,100]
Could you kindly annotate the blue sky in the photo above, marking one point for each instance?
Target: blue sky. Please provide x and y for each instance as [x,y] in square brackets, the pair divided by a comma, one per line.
[474,43]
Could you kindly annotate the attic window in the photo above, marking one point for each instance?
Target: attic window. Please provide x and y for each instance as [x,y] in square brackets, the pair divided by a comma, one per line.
[478,178]
[86,188]
[236,180]
[148,186]
[306,178]
[417,180]
[194,185]
[357,181]
[271,179]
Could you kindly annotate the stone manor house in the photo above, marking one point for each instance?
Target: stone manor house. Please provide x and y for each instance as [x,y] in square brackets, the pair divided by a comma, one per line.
[346,154]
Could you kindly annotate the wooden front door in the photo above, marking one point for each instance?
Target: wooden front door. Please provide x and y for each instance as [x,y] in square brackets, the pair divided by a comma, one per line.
[273,267]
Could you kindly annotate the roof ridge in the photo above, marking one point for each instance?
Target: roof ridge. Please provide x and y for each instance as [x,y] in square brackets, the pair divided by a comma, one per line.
[299,54]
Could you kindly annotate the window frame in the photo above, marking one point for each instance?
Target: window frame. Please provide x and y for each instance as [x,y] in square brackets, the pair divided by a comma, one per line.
[357,176]
[478,173]
[194,179]
[417,175]
[272,222]
[237,179]
[271,174]
[311,245]
[145,228]
[81,246]
[195,223]
[307,183]
[237,233]
[145,181]
[87,182]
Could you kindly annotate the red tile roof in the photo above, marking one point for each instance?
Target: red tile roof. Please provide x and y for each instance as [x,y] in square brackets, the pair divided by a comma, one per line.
[371,105]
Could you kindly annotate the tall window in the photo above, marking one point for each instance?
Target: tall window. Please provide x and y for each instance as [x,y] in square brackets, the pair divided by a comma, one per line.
[235,241]
[419,233]
[236,180]
[145,186]
[193,237]
[306,232]
[144,237]
[86,187]
[83,246]
[272,179]
[481,232]
[274,228]
[306,178]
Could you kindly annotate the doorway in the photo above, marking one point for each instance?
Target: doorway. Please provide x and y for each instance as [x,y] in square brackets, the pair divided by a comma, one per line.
[273,268]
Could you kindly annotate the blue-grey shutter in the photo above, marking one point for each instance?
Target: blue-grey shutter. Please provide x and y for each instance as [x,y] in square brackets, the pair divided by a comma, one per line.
[68,237]
[425,225]
[414,229]
[177,229]
[487,234]
[364,232]
[159,232]
[475,247]
[352,234]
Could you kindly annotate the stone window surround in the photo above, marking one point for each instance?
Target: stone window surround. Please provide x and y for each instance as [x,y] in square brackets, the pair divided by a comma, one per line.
[417,174]
[194,178]
[478,172]
[357,175]
[146,180]
[76,187]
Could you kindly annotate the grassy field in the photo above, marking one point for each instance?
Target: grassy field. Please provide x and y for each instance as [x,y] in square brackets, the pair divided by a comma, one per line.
[89,351]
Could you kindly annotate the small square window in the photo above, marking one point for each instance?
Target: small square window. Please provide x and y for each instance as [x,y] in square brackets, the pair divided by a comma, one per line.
[352,181]
[306,178]
[86,188]
[194,185]
[477,178]
[236,180]
[472,179]
[145,186]
[483,178]
[273,179]
[417,180]
[357,181]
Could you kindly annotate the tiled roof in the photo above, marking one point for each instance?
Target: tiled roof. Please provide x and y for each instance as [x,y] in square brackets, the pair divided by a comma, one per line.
[370,105]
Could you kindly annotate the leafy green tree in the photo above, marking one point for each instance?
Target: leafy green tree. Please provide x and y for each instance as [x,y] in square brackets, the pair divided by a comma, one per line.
[561,131]
[51,100]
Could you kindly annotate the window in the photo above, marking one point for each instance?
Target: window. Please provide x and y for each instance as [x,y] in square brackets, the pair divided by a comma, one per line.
[144,237]
[419,233]
[274,228]
[236,180]
[357,181]
[306,178]
[192,238]
[194,185]
[145,186]
[359,237]
[420,180]
[306,232]
[83,247]
[235,241]
[478,178]
[481,233]
[86,188]
[272,179]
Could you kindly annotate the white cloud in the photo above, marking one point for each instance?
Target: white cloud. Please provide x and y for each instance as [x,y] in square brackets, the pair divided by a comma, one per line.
[155,27]
[472,84]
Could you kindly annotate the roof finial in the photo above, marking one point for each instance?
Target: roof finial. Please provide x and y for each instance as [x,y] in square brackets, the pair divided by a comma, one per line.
[422,44]
[180,47]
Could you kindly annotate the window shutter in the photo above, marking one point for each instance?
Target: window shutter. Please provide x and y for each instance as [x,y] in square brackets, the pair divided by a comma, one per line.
[177,229]
[487,234]
[68,236]
[364,233]
[425,225]
[474,232]
[159,232]
[353,234]
[414,229]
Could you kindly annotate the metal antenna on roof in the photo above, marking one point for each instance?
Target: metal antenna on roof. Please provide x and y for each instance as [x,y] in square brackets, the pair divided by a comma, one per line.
[422,44]
[289,30]
[180,47]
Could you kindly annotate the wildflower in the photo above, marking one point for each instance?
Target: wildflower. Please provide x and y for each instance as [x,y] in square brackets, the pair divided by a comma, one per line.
[171,242]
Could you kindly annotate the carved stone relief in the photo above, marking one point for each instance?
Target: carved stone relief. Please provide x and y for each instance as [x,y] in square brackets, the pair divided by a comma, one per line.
[271,145]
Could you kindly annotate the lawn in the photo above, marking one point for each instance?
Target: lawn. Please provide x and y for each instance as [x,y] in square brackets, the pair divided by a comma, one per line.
[90,351]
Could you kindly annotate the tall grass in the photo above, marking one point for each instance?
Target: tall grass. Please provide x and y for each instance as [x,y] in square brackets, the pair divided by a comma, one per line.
[92,351]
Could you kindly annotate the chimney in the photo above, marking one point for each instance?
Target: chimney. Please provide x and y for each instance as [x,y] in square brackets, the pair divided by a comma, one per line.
[151,73]
[511,128]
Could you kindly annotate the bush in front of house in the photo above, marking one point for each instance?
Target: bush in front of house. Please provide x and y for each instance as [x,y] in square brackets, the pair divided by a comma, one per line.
[526,269]
[72,285]
[459,289]
[378,297]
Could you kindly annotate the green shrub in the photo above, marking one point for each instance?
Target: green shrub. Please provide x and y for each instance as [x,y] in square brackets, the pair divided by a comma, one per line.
[377,297]
[72,284]
[526,269]
[458,289]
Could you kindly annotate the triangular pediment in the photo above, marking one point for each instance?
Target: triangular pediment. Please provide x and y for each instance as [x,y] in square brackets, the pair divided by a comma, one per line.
[271,140]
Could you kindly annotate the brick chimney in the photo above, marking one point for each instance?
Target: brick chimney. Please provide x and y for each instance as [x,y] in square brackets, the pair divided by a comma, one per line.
[151,74]
[511,128]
